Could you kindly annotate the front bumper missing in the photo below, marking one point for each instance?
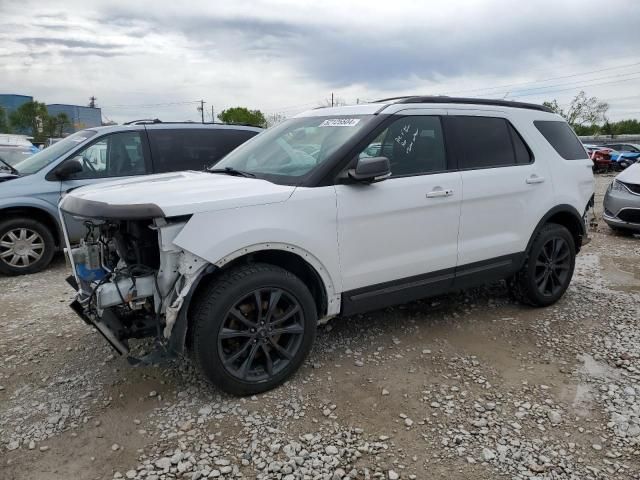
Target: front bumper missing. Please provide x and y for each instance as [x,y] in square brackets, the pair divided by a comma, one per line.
[106,326]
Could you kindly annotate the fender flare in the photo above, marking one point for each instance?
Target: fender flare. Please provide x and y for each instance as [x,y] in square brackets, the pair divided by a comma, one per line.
[564,208]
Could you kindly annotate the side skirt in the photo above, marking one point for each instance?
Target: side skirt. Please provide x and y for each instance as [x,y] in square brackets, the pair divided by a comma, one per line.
[430,284]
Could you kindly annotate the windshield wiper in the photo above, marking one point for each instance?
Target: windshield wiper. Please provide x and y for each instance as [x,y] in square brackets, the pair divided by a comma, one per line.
[11,168]
[231,171]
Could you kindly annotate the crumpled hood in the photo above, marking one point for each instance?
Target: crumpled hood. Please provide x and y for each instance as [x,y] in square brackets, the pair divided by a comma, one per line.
[177,193]
[630,175]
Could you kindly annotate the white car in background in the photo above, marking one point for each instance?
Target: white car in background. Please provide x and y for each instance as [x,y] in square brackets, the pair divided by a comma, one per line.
[333,212]
[14,149]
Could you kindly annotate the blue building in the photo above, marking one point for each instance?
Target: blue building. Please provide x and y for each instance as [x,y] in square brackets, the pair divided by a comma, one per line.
[11,102]
[81,117]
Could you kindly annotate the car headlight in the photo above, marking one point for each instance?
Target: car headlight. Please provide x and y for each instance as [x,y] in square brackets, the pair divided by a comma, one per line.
[618,187]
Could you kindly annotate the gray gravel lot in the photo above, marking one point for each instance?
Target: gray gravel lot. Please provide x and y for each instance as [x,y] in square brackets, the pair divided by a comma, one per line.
[466,386]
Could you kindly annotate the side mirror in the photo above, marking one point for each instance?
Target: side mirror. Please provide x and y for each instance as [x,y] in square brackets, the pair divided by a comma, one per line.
[68,168]
[371,169]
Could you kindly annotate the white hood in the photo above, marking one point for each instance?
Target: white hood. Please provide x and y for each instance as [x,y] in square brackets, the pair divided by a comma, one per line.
[182,193]
[631,174]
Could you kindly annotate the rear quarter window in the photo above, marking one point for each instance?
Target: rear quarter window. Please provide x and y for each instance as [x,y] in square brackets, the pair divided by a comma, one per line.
[562,138]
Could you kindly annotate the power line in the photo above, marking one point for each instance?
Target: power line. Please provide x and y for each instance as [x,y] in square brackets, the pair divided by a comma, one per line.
[581,83]
[543,80]
[614,82]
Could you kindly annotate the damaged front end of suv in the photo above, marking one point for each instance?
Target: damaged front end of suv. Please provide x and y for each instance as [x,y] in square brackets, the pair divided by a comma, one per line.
[131,280]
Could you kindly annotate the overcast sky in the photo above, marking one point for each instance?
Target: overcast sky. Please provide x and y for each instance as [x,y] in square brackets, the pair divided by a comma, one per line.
[150,59]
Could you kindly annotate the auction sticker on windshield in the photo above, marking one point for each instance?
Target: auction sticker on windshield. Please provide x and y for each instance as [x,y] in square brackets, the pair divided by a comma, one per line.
[340,122]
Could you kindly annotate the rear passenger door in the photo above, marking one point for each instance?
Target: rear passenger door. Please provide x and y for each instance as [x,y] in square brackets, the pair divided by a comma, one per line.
[504,192]
[175,149]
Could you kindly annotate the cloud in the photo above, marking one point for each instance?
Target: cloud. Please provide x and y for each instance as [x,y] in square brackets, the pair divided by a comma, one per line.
[284,54]
[66,42]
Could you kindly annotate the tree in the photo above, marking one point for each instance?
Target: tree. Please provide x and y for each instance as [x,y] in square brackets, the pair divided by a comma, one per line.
[54,126]
[242,115]
[4,124]
[582,110]
[29,117]
[275,118]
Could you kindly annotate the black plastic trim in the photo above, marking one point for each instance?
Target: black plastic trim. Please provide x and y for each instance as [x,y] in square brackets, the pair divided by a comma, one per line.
[430,284]
[92,209]
[564,208]
[177,341]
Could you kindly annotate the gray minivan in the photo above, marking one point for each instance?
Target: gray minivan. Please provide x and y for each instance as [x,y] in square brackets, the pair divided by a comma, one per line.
[30,190]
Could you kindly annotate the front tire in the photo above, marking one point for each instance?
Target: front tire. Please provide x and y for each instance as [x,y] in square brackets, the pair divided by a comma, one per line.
[548,269]
[252,328]
[26,246]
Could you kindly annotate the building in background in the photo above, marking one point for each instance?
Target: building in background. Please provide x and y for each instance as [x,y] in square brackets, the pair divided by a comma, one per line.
[81,117]
[11,102]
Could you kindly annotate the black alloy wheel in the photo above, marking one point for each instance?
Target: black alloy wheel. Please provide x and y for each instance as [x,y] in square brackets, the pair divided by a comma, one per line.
[261,334]
[251,327]
[553,266]
[548,268]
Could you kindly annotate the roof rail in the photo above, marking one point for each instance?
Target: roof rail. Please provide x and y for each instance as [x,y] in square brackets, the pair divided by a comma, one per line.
[471,101]
[143,121]
[149,121]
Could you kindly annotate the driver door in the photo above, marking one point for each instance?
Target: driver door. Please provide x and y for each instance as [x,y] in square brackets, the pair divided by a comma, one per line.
[113,156]
[398,239]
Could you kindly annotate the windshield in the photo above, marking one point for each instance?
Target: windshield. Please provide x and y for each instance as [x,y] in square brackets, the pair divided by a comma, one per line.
[13,155]
[294,148]
[43,158]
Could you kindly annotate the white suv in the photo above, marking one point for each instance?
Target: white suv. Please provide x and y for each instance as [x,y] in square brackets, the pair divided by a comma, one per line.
[335,211]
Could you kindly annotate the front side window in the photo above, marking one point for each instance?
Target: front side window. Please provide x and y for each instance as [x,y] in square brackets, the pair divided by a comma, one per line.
[43,158]
[193,149]
[115,155]
[487,142]
[289,152]
[414,145]
[562,139]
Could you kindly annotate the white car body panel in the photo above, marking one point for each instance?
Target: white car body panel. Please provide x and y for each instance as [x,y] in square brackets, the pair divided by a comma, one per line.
[304,224]
[183,193]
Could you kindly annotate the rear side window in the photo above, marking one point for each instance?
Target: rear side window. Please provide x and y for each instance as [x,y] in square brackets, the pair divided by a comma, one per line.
[487,142]
[562,139]
[192,149]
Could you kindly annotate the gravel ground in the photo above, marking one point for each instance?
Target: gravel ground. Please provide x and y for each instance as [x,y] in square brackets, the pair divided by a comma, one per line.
[465,386]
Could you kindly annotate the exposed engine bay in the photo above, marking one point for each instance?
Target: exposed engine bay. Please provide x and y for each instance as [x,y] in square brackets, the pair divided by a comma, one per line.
[131,280]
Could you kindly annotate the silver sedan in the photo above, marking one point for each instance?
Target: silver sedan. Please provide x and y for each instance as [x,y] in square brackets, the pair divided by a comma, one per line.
[622,200]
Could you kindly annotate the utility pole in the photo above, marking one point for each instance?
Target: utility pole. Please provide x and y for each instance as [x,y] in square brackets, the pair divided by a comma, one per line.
[213,117]
[332,99]
[201,109]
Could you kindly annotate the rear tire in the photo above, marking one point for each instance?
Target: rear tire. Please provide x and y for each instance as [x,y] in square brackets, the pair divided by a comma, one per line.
[548,268]
[26,246]
[252,328]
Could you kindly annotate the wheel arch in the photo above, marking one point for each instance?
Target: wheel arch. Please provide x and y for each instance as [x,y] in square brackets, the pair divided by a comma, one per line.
[34,213]
[293,259]
[568,217]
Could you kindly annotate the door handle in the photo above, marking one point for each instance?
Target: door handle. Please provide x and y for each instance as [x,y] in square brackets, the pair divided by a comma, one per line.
[534,179]
[439,192]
